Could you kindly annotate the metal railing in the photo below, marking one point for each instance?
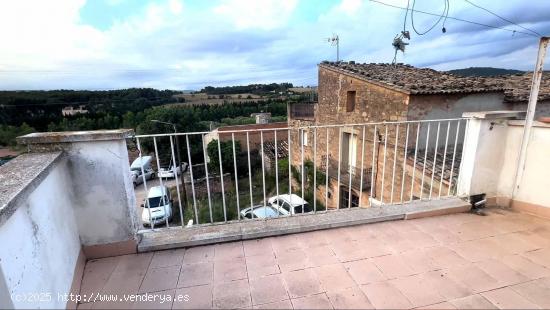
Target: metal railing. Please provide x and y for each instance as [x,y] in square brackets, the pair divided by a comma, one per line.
[394,163]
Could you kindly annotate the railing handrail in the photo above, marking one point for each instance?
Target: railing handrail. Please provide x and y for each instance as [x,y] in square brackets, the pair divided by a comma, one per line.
[301,127]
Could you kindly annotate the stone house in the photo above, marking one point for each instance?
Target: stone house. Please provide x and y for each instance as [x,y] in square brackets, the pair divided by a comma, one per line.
[352,93]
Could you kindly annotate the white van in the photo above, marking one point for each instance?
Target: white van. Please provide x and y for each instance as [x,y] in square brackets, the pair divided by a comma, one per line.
[159,203]
[136,170]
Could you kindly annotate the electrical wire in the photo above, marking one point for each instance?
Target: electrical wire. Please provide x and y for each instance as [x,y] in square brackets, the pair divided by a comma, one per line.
[433,26]
[455,18]
[406,13]
[503,18]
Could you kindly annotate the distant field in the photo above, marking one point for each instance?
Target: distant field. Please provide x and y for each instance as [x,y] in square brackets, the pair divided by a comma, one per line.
[203,98]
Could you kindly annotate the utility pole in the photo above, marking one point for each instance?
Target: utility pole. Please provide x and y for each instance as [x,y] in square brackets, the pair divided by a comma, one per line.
[531,108]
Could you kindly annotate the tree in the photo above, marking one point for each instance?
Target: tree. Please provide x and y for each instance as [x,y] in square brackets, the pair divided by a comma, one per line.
[226,148]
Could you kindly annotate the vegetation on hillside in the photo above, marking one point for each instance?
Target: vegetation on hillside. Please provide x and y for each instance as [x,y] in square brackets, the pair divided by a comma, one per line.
[484,71]
[258,89]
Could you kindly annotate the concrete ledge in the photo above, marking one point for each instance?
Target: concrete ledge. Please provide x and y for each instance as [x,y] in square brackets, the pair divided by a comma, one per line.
[531,208]
[504,114]
[20,176]
[110,249]
[74,136]
[77,278]
[176,237]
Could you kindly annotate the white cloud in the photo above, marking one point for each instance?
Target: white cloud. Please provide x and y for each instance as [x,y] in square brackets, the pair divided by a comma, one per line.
[266,14]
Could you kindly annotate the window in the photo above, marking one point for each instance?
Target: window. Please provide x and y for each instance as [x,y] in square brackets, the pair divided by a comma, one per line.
[304,138]
[350,102]
[286,206]
[344,199]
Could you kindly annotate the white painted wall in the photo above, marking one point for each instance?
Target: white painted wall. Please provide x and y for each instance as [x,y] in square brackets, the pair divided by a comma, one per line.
[39,243]
[490,161]
[105,202]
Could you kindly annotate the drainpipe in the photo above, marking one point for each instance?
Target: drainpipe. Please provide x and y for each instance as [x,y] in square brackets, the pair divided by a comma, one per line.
[531,107]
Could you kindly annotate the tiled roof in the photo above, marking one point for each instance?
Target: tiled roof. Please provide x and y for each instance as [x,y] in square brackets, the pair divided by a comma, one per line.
[439,166]
[282,149]
[414,80]
[518,86]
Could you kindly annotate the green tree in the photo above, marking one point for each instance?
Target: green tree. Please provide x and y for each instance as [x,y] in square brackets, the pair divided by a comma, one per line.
[226,148]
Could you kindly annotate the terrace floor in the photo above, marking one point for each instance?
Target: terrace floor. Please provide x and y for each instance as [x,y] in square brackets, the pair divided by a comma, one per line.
[501,260]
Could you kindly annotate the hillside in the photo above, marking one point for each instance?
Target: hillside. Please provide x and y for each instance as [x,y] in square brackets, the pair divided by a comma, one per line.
[483,71]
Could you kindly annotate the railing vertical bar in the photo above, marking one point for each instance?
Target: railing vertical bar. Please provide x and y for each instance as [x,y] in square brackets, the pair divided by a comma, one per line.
[454,155]
[425,158]
[177,179]
[161,183]
[314,170]
[302,176]
[277,170]
[263,165]
[384,164]
[236,176]
[435,160]
[404,163]
[350,168]
[466,130]
[339,164]
[249,169]
[444,158]
[192,179]
[326,174]
[221,180]
[414,161]
[362,167]
[207,179]
[290,171]
[145,184]
[394,161]
[373,168]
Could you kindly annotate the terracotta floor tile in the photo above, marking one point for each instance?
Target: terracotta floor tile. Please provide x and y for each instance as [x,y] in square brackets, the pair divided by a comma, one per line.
[134,263]
[418,290]
[228,251]
[194,297]
[533,239]
[419,260]
[444,236]
[261,265]
[333,277]
[158,300]
[118,304]
[535,291]
[285,243]
[302,283]
[445,286]
[257,247]
[160,279]
[472,277]
[383,295]
[199,254]
[293,260]
[504,274]
[313,239]
[285,304]
[196,274]
[541,257]
[506,298]
[421,239]
[373,247]
[513,243]
[235,294]
[96,274]
[319,301]
[268,289]
[470,251]
[122,283]
[167,258]
[350,298]
[229,270]
[364,271]
[321,255]
[442,305]
[444,257]
[393,266]
[475,230]
[491,248]
[347,251]
[473,302]
[525,266]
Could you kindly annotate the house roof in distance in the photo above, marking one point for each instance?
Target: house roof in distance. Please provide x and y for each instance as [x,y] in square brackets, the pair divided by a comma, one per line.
[518,86]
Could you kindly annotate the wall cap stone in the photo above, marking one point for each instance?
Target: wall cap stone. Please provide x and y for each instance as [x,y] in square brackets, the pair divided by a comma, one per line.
[74,136]
[496,114]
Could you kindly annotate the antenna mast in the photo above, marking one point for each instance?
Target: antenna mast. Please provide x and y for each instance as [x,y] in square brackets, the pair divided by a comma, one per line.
[335,41]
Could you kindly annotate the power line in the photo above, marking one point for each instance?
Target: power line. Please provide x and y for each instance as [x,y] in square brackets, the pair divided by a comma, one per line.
[445,9]
[503,18]
[454,18]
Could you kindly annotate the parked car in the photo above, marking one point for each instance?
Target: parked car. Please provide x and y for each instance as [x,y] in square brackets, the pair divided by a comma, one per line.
[261,212]
[289,204]
[141,164]
[159,203]
[168,171]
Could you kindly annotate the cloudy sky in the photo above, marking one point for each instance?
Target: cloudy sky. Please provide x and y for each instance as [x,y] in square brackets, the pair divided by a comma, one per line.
[187,44]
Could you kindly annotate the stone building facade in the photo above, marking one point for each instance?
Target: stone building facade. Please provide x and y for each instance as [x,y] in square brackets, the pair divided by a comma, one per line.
[383,154]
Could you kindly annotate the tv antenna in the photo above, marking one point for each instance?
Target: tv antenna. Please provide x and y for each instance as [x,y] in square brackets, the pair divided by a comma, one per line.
[335,41]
